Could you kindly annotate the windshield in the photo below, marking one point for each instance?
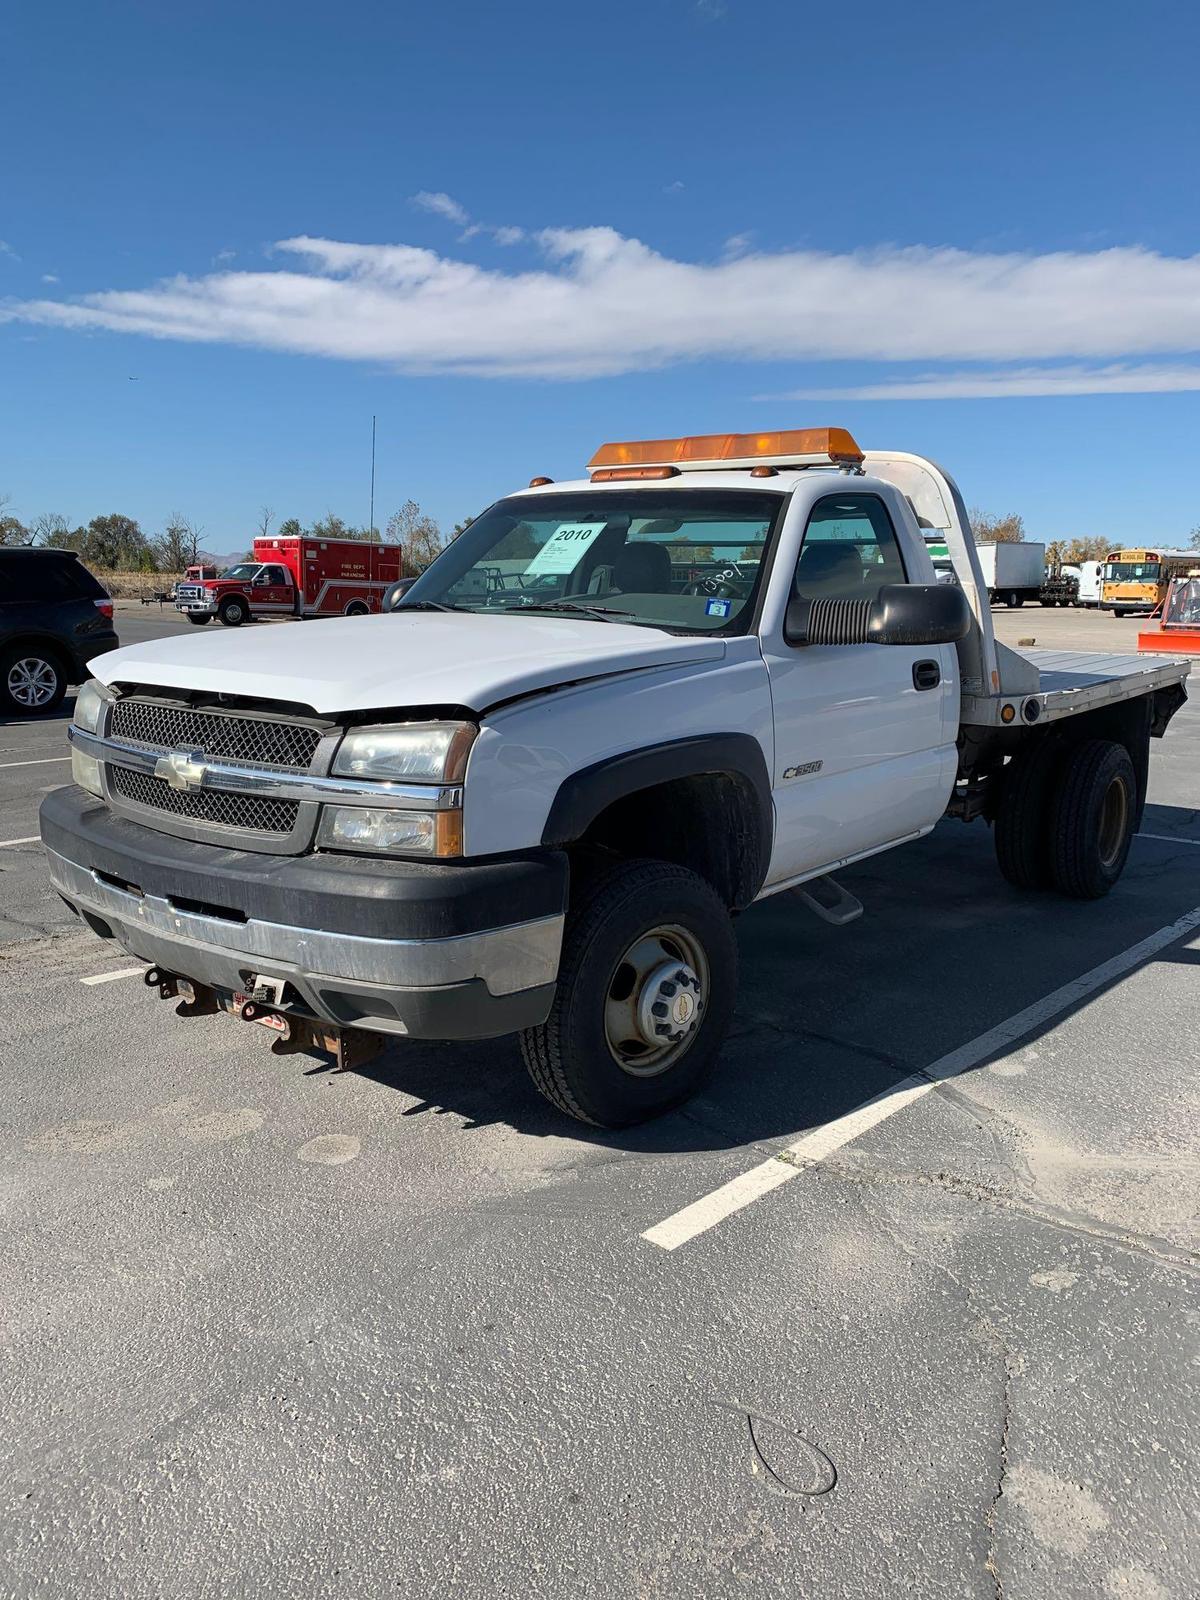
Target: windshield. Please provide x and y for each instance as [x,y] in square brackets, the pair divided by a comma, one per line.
[1133,571]
[683,559]
[244,569]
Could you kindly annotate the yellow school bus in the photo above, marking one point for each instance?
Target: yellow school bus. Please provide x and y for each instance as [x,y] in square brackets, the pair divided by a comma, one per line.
[1136,580]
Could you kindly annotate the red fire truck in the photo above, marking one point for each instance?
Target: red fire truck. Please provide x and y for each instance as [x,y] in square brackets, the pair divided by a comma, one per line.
[295,578]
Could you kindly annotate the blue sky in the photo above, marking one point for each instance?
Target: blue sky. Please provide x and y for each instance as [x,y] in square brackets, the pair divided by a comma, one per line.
[636,220]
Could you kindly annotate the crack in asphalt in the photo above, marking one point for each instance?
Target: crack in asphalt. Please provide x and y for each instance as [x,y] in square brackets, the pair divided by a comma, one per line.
[989,1517]
[1011,1369]
[1162,1251]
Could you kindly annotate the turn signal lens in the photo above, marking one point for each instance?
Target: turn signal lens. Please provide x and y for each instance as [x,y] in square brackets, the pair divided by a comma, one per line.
[85,770]
[406,833]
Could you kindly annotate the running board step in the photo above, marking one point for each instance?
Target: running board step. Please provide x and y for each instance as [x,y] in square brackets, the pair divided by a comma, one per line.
[830,901]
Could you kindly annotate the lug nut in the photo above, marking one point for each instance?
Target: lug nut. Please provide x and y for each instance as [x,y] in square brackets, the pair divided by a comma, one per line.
[660,1009]
[667,988]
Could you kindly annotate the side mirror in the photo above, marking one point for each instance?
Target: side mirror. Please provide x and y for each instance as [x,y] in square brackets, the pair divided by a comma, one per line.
[901,613]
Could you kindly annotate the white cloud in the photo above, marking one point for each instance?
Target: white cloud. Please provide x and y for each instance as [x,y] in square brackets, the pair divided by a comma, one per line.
[7,250]
[49,277]
[1013,382]
[598,303]
[442,205]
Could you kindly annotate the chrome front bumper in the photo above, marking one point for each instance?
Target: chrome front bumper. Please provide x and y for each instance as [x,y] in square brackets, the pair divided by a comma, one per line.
[474,985]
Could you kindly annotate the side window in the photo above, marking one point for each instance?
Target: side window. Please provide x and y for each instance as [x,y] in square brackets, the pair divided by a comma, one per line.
[850,550]
[277,575]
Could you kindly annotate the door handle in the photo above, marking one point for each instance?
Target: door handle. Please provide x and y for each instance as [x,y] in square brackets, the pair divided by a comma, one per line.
[926,674]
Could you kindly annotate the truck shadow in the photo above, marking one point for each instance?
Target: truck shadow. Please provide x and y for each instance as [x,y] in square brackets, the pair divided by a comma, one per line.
[829,1018]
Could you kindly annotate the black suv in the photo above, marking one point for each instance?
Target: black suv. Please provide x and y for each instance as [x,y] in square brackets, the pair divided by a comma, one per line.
[54,617]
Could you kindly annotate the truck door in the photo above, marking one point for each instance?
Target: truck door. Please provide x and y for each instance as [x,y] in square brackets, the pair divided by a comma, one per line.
[272,591]
[864,733]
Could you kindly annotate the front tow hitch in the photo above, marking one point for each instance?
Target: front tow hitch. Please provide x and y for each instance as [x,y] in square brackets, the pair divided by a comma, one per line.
[294,1033]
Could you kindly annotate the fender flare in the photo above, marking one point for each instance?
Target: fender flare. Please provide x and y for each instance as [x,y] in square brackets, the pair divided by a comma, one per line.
[585,794]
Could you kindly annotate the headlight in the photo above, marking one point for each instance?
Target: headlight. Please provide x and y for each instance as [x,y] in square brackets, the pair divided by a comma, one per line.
[85,770]
[89,703]
[410,833]
[424,752]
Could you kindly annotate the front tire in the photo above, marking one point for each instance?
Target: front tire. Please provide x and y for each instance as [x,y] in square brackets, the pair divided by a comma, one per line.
[232,613]
[1095,810]
[645,995]
[1015,600]
[198,622]
[32,680]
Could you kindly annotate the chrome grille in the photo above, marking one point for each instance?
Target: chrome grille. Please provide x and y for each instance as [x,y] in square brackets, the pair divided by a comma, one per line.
[245,812]
[219,734]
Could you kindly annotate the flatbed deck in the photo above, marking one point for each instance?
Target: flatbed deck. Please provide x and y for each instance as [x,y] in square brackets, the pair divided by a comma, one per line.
[1071,681]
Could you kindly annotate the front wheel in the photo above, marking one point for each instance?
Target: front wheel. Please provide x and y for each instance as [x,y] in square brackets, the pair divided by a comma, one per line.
[232,613]
[197,622]
[645,995]
[1015,600]
[31,679]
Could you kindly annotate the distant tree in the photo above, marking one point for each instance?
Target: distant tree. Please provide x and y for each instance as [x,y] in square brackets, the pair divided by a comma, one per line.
[290,528]
[1089,548]
[264,521]
[48,528]
[178,545]
[14,532]
[419,534]
[987,529]
[330,526]
[117,542]
[1194,539]
[461,527]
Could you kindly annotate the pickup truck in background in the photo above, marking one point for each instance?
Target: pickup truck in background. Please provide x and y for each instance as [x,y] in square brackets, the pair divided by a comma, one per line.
[612,715]
[293,577]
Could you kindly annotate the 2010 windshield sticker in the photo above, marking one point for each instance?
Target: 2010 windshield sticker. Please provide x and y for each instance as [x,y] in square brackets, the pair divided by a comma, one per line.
[561,552]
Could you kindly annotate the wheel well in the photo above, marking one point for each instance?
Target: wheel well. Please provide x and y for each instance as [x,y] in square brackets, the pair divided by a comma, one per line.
[708,822]
[51,648]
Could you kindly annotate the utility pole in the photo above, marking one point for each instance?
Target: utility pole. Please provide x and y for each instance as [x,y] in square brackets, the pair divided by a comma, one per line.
[371,523]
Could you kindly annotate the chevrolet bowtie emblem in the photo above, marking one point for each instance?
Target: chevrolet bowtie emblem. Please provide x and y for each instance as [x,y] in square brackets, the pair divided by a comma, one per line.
[182,769]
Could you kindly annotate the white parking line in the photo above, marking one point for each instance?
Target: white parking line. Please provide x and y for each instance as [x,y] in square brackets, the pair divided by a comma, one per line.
[42,761]
[822,1142]
[1167,838]
[32,838]
[111,977]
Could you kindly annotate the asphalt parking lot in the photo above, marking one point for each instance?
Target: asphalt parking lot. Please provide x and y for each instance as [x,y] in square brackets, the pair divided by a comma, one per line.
[273,1329]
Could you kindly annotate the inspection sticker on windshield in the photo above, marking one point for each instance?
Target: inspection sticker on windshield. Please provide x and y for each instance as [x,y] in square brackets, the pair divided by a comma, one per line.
[719,608]
[562,550]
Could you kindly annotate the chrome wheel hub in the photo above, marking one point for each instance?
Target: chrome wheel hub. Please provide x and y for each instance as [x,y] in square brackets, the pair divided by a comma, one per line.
[32,682]
[656,999]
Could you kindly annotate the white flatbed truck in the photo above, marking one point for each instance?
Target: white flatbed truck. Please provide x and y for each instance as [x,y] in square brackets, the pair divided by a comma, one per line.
[612,714]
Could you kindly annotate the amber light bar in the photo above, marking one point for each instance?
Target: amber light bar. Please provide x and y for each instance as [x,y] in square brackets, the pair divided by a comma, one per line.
[794,447]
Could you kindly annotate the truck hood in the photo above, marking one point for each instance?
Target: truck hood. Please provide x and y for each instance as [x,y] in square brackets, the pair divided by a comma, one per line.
[425,659]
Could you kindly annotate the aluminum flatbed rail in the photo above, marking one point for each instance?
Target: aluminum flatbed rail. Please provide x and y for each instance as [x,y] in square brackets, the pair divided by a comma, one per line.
[1071,681]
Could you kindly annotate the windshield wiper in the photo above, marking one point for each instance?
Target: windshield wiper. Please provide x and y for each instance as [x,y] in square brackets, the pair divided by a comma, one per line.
[428,605]
[603,612]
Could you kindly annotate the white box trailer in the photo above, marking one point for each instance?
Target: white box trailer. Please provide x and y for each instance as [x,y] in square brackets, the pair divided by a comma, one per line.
[1013,573]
